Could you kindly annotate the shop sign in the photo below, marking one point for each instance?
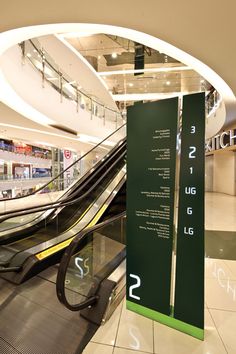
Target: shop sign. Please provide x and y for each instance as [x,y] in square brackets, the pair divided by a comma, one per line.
[67,154]
[221,141]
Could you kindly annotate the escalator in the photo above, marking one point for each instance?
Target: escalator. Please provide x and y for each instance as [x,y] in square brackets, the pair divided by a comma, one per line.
[60,189]
[83,206]
[69,204]
[91,275]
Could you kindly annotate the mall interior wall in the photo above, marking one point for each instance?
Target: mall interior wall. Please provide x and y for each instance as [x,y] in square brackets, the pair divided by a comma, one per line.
[220,172]
[224,172]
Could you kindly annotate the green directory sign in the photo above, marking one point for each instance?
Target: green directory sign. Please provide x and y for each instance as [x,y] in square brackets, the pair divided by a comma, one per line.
[152,131]
[189,289]
[151,167]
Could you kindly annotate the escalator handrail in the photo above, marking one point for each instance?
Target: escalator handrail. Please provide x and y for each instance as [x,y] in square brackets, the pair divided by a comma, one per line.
[65,260]
[59,204]
[61,173]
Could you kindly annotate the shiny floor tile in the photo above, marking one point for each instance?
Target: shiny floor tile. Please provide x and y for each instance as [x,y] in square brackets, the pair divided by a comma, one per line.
[221,294]
[226,325]
[217,269]
[220,211]
[220,244]
[127,351]
[135,332]
[95,348]
[106,334]
[171,341]
[232,266]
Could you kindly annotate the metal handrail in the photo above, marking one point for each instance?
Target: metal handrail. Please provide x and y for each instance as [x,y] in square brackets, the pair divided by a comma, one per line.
[44,55]
[61,275]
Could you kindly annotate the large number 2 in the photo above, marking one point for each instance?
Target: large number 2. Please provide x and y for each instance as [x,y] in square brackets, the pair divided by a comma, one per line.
[192,151]
[132,287]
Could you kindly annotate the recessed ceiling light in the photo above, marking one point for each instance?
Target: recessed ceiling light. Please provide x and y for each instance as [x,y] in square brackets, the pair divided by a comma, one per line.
[114,55]
[130,84]
[168,83]
[202,81]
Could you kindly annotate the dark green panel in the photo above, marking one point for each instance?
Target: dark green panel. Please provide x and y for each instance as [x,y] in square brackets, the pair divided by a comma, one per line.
[151,136]
[189,286]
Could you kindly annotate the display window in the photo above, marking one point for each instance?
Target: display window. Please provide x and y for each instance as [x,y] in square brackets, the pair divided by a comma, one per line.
[20,171]
[41,172]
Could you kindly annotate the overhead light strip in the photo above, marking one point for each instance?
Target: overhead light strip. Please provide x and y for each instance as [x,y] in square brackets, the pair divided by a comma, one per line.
[91,140]
[41,132]
[148,96]
[149,70]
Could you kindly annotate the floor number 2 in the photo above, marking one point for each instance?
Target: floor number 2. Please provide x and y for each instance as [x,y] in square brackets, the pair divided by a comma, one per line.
[135,286]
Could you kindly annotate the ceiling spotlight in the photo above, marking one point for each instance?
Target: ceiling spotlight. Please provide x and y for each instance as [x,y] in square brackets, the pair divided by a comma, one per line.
[130,84]
[114,55]
[168,83]
[202,81]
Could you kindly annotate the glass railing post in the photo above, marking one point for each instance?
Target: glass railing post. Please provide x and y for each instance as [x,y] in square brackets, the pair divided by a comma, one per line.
[22,44]
[60,85]
[77,99]
[43,66]
[104,115]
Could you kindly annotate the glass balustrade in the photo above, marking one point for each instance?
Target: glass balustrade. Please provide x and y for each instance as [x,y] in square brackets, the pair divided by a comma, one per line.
[66,86]
[89,260]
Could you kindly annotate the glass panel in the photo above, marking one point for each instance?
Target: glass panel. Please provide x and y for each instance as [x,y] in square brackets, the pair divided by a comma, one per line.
[92,262]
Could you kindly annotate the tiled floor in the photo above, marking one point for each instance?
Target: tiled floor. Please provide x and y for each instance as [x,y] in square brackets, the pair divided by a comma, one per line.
[220,212]
[130,333]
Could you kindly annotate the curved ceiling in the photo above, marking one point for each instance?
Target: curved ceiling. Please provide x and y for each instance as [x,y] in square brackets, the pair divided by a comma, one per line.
[200,30]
